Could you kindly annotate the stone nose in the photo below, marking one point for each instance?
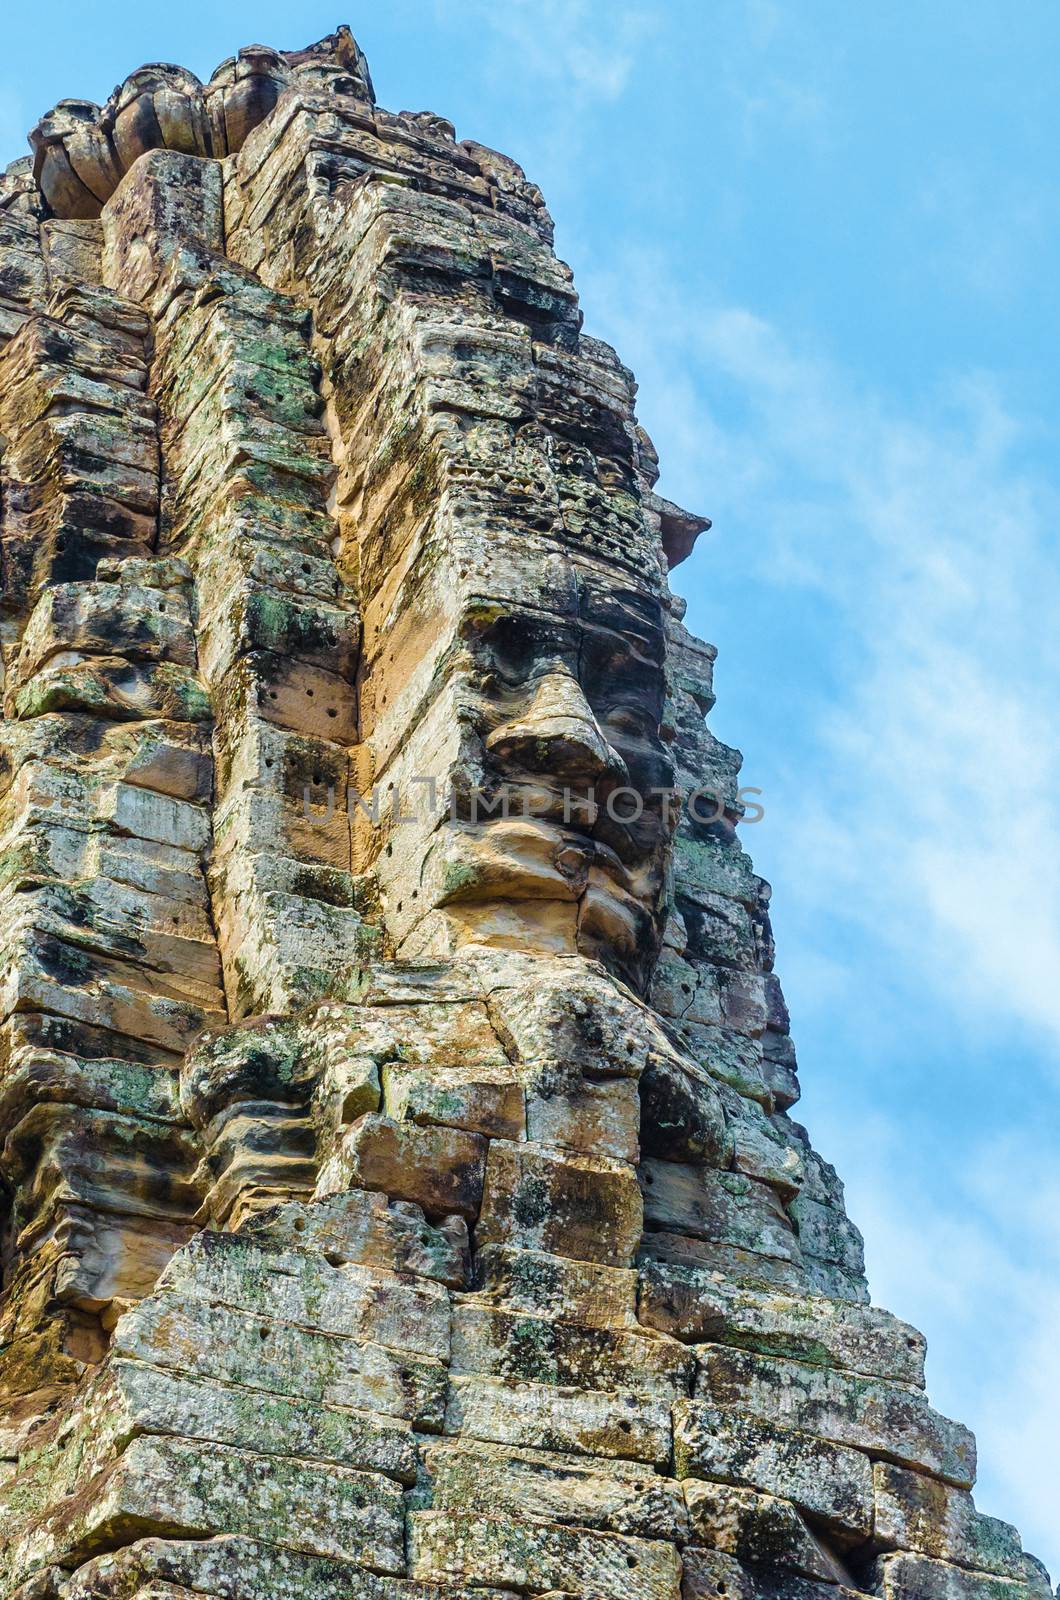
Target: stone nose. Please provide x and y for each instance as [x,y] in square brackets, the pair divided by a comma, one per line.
[557,734]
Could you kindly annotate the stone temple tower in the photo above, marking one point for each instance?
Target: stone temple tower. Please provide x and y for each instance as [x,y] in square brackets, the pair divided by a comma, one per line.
[399,1191]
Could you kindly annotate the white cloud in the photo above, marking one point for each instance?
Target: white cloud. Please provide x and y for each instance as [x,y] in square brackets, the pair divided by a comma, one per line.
[560,43]
[992,224]
[931,803]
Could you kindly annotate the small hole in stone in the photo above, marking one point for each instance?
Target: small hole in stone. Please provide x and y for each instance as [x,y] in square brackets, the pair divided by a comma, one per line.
[272,694]
[626,1427]
[305,566]
[299,1224]
[317,778]
[390,849]
[415,894]
[649,1179]
[332,713]
[263,1333]
[309,692]
[268,761]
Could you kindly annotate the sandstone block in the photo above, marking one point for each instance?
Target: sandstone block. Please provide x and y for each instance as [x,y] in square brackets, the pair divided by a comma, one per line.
[918,1513]
[555,1286]
[683,1116]
[693,1304]
[365,1229]
[133,1398]
[709,1573]
[510,1345]
[617,1496]
[232,1347]
[585,1207]
[234,1567]
[870,1414]
[538,1558]
[439,1169]
[456,1098]
[728,1056]
[569,1022]
[597,1119]
[914,1577]
[826,1233]
[759,1149]
[302,1288]
[588,1422]
[745,1269]
[758,1529]
[720,1207]
[175,1484]
[828,1481]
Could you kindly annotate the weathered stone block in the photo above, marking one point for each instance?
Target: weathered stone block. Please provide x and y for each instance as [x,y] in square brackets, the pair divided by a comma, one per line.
[538,1558]
[233,1567]
[177,1487]
[721,1207]
[745,1269]
[366,1229]
[918,1513]
[133,1398]
[618,1496]
[757,1528]
[683,1118]
[439,1169]
[555,1286]
[233,1347]
[759,1148]
[914,1577]
[601,1119]
[828,1234]
[510,1345]
[710,1573]
[694,1304]
[562,1203]
[870,1414]
[298,1287]
[589,1422]
[455,1098]
[826,1480]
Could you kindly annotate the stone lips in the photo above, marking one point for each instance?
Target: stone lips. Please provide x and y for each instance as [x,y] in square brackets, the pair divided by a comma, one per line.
[390,1211]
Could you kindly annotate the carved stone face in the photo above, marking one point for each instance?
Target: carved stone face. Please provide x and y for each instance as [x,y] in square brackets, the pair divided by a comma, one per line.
[562,846]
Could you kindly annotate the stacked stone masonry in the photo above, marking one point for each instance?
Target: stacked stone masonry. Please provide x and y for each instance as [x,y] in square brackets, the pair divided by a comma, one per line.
[400,1194]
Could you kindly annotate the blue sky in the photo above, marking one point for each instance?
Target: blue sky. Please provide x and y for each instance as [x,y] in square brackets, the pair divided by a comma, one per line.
[826,239]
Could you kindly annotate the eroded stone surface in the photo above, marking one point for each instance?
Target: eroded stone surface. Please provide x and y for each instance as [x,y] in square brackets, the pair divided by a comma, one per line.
[400,1197]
